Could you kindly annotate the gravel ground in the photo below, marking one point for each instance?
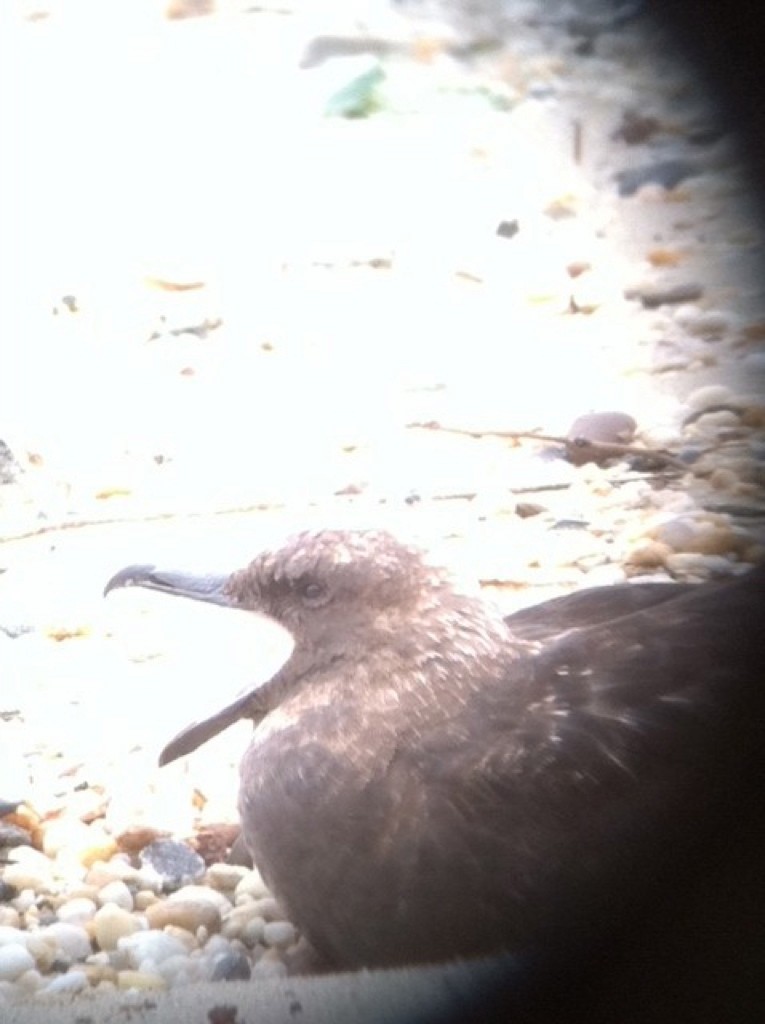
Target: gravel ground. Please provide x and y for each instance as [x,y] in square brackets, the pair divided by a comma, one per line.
[292,265]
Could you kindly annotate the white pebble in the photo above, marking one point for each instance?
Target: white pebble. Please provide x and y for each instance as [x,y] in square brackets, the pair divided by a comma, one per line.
[710,394]
[116,892]
[226,876]
[269,966]
[201,893]
[79,910]
[117,868]
[111,923]
[216,945]
[251,885]
[140,980]
[12,936]
[178,970]
[29,982]
[74,981]
[239,917]
[29,872]
[152,946]
[9,916]
[704,323]
[71,939]
[687,563]
[24,901]
[279,933]
[754,363]
[14,960]
[43,948]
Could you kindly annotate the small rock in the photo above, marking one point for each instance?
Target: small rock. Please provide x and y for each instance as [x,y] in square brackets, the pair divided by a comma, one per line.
[72,981]
[241,918]
[251,885]
[14,960]
[12,936]
[29,983]
[589,436]
[71,940]
[269,908]
[710,395]
[653,296]
[188,940]
[200,893]
[140,979]
[686,564]
[116,892]
[666,173]
[526,509]
[270,965]
[175,863]
[117,868]
[76,911]
[711,535]
[232,966]
[279,933]
[9,916]
[186,913]
[647,556]
[13,835]
[132,840]
[704,323]
[181,970]
[112,923]
[31,870]
[226,876]
[154,946]
[10,470]
[95,972]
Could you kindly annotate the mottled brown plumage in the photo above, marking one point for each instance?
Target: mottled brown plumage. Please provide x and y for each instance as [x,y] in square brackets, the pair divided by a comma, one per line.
[427,780]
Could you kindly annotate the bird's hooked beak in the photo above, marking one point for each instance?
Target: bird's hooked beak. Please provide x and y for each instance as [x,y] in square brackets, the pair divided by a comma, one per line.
[211,589]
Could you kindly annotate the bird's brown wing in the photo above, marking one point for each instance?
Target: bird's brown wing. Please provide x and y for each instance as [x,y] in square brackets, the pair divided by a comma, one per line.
[587,778]
[597,605]
[689,660]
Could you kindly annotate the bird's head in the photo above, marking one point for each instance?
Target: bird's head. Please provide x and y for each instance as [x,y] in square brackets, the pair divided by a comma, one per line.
[344,596]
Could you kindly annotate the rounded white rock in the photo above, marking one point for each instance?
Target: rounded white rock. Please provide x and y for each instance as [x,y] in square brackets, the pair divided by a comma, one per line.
[72,939]
[14,961]
[78,910]
[152,946]
[116,892]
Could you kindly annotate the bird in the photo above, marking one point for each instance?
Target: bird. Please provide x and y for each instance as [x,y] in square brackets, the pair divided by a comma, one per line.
[429,780]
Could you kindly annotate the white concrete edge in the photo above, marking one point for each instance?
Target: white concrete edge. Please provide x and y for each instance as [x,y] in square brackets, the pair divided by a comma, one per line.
[421,994]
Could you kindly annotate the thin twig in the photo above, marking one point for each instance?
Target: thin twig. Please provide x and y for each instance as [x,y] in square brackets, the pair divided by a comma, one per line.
[606,449]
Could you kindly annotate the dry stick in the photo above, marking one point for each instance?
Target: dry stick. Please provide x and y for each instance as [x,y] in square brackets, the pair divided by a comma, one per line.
[605,448]
[138,517]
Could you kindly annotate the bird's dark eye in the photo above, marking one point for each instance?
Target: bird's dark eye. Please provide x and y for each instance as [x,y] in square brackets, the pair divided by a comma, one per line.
[313,593]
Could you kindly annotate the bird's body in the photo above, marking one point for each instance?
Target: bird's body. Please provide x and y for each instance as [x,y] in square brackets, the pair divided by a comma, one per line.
[429,781]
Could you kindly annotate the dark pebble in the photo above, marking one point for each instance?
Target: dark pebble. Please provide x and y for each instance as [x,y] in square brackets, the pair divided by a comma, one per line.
[667,173]
[13,630]
[526,509]
[231,967]
[13,835]
[668,295]
[10,470]
[508,228]
[174,862]
[7,892]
